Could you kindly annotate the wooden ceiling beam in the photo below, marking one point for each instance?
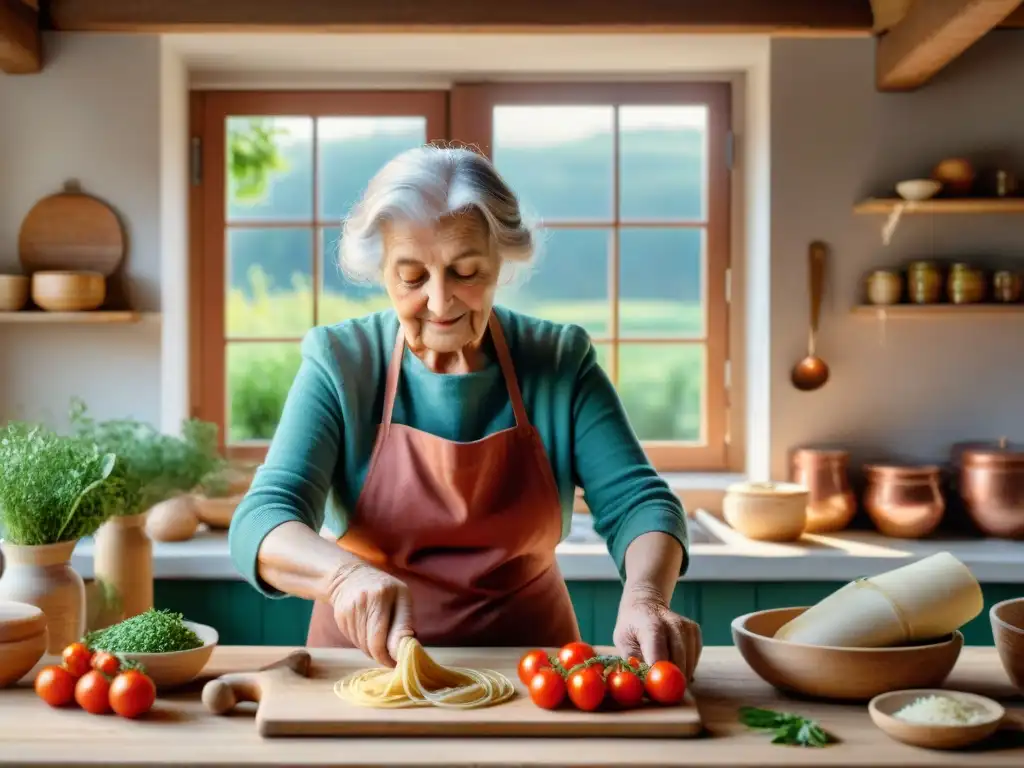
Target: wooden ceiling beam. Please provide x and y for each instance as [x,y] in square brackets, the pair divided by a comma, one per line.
[930,36]
[20,41]
[796,17]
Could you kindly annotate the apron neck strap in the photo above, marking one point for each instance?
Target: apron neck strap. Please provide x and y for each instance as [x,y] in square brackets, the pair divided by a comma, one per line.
[508,371]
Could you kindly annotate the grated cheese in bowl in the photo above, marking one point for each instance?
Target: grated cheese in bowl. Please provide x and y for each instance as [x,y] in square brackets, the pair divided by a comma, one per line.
[941,710]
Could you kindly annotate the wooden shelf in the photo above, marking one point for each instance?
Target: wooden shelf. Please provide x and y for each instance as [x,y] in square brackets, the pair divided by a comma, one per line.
[99,317]
[942,205]
[936,310]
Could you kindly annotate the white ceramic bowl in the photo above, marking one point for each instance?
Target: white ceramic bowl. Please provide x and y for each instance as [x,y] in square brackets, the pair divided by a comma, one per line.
[918,189]
[169,670]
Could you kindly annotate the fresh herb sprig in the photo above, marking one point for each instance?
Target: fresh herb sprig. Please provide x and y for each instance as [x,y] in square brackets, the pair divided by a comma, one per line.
[787,728]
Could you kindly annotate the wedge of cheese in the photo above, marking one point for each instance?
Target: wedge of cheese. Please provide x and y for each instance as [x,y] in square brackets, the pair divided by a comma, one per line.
[920,601]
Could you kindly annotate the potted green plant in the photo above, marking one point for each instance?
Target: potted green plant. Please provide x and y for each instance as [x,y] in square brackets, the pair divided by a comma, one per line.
[56,490]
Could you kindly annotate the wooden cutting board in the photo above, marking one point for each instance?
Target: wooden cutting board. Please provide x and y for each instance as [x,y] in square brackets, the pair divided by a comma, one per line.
[296,698]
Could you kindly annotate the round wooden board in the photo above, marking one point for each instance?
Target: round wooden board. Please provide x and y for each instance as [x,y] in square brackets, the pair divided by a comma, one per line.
[71,231]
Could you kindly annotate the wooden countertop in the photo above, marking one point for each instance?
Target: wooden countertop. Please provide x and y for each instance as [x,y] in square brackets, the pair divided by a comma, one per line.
[180,732]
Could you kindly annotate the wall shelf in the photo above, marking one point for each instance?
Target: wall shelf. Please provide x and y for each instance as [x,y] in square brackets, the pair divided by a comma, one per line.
[98,317]
[936,310]
[940,205]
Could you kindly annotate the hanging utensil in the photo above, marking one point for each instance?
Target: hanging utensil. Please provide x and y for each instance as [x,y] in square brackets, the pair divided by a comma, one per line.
[811,373]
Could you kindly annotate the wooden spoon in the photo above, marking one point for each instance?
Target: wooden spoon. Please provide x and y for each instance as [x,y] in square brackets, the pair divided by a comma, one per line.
[811,373]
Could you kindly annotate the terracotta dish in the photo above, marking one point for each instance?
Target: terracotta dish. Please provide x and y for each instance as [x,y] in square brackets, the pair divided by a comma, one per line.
[1008,631]
[845,674]
[169,670]
[934,736]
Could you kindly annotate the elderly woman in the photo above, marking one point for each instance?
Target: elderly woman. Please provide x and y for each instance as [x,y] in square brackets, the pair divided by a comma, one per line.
[446,437]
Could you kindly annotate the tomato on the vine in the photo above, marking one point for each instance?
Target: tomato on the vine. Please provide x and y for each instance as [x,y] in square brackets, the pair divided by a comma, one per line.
[132,693]
[586,687]
[77,659]
[625,688]
[531,663]
[575,653]
[634,662]
[547,688]
[92,692]
[665,683]
[55,685]
[106,663]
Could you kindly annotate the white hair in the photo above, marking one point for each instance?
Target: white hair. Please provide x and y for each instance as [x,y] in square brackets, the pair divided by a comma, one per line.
[420,186]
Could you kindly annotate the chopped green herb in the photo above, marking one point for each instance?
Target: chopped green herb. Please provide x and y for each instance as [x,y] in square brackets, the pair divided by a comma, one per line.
[787,728]
[150,632]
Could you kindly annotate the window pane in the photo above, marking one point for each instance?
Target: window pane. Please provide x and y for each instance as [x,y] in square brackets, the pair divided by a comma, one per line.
[558,160]
[269,168]
[259,376]
[340,298]
[353,149]
[568,283]
[663,161]
[603,353]
[661,386]
[270,282]
[660,282]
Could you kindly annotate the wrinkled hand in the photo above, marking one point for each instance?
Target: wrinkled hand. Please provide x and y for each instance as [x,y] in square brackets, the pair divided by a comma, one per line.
[648,629]
[373,609]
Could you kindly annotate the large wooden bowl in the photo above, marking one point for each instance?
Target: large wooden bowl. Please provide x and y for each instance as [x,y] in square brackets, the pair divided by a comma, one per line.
[68,291]
[169,670]
[844,674]
[1007,620]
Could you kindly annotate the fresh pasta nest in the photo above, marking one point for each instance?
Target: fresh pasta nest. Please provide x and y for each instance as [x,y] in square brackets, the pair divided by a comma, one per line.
[419,681]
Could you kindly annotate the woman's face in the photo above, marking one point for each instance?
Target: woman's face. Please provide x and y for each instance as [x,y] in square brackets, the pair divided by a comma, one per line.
[441,280]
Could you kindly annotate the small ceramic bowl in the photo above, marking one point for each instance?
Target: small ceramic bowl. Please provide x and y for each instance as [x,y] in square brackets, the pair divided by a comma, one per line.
[883,710]
[1007,620]
[918,189]
[169,670]
[842,674]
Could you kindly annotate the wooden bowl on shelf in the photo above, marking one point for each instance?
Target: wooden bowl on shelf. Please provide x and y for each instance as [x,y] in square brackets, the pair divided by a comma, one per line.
[61,291]
[842,674]
[1007,619]
[13,292]
[883,709]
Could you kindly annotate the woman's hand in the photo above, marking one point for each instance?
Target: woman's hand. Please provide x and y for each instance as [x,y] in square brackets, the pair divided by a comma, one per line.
[373,610]
[647,628]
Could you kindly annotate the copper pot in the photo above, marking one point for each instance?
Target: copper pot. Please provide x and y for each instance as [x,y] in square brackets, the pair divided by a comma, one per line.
[904,501]
[831,504]
[992,487]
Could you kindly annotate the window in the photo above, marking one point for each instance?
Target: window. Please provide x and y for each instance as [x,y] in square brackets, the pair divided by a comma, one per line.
[629,181]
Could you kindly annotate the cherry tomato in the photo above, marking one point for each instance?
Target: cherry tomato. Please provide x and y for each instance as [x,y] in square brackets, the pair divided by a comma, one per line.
[532,663]
[55,685]
[106,663]
[625,688]
[575,653]
[132,693]
[77,658]
[92,692]
[665,683]
[586,688]
[547,688]
[634,662]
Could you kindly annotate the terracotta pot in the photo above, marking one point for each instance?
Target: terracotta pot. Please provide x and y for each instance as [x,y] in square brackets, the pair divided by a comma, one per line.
[992,488]
[42,576]
[824,473]
[905,502]
[123,564]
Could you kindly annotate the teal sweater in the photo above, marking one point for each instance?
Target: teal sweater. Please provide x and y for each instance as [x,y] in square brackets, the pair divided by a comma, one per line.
[318,459]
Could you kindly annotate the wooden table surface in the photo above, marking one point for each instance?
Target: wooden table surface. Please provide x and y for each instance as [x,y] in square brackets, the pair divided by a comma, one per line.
[180,732]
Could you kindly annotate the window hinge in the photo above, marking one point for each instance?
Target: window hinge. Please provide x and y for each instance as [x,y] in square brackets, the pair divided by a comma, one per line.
[728,285]
[730,150]
[196,161]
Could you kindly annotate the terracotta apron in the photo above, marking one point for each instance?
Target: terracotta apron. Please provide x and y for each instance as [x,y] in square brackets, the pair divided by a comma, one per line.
[470,528]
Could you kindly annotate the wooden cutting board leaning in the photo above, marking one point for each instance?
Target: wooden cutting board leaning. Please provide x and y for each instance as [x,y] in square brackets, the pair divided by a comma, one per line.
[296,698]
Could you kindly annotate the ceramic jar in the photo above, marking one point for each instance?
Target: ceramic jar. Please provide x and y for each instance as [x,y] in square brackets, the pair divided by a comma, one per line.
[904,502]
[766,511]
[831,503]
[924,283]
[884,288]
[1006,286]
[123,564]
[966,285]
[42,576]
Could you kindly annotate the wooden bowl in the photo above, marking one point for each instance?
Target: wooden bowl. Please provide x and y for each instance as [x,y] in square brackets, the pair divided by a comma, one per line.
[1007,620]
[767,511]
[68,291]
[216,512]
[844,674]
[169,670]
[23,640]
[882,709]
[13,292]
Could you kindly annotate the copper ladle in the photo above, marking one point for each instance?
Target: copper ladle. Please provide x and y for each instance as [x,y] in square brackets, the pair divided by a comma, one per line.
[811,373]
